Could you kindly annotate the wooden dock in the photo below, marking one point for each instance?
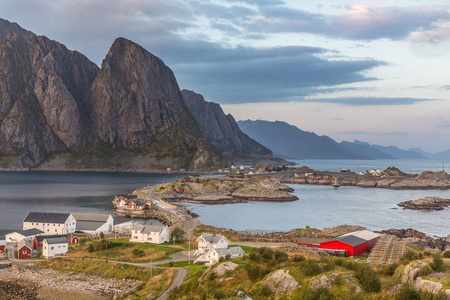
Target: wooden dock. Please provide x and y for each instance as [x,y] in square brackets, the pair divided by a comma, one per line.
[387,251]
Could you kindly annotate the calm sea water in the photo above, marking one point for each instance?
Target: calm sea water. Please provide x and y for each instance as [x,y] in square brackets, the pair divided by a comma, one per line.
[318,206]
[65,192]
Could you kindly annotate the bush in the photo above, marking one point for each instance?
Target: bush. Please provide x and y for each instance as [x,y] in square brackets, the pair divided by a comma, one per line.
[254,255]
[138,252]
[254,272]
[409,256]
[389,270]
[318,294]
[298,258]
[438,262]
[447,254]
[425,270]
[310,268]
[266,253]
[407,292]
[368,278]
[280,256]
[91,248]
[218,294]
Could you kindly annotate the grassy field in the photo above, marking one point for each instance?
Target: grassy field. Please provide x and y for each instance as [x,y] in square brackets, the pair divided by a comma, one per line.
[193,269]
[122,250]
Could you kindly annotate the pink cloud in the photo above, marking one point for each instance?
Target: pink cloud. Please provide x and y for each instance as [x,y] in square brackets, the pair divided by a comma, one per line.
[432,36]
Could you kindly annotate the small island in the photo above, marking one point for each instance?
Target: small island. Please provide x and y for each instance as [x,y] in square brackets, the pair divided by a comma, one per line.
[224,190]
[427,203]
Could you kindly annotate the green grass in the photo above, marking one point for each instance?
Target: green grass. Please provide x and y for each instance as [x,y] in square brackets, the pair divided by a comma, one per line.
[193,269]
[247,249]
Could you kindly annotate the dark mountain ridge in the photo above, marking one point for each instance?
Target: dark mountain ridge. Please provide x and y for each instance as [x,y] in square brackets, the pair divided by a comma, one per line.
[56,105]
[290,142]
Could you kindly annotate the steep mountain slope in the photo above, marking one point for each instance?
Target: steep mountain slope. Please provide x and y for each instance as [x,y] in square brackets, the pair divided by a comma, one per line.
[290,142]
[366,150]
[222,130]
[128,115]
[43,92]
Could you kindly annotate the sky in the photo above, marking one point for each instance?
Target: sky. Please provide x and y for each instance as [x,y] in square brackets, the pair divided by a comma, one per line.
[376,71]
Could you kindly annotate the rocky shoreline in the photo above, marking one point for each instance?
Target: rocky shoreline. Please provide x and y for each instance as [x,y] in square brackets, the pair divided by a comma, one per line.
[34,282]
[391,178]
[427,203]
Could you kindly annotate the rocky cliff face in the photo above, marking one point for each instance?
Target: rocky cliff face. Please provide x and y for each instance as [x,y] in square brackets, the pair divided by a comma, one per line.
[127,115]
[43,91]
[222,130]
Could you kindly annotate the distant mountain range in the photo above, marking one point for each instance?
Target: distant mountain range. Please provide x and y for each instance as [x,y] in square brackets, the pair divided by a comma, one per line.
[290,142]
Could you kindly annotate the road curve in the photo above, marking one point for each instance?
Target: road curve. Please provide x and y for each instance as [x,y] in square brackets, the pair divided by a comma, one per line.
[177,281]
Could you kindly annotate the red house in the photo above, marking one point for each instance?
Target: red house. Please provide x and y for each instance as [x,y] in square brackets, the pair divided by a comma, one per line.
[24,249]
[138,205]
[74,240]
[2,246]
[179,190]
[355,243]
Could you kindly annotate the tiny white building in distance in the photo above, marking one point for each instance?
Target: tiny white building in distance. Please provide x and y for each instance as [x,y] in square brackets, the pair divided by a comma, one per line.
[208,242]
[17,236]
[55,246]
[150,234]
[213,256]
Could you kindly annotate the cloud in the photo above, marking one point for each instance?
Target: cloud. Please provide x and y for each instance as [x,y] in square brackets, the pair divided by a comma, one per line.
[363,21]
[371,101]
[434,36]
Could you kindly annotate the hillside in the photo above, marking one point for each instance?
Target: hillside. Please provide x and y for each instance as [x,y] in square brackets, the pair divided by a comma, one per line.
[58,110]
[290,142]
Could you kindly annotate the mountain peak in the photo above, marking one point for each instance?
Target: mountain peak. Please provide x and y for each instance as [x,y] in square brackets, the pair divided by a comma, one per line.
[10,28]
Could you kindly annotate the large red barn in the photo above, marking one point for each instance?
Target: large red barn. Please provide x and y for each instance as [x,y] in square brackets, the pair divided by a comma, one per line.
[355,243]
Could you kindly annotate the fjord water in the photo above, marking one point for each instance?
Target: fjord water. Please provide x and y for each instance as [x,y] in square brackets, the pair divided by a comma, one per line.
[64,192]
[318,206]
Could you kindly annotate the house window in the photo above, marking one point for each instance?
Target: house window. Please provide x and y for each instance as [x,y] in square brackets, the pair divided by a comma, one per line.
[32,223]
[48,230]
[24,252]
[51,248]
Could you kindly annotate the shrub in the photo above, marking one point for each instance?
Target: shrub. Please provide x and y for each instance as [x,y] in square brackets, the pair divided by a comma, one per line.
[310,268]
[266,253]
[368,278]
[407,292]
[254,272]
[228,256]
[427,253]
[298,258]
[409,256]
[102,235]
[389,270]
[254,255]
[138,252]
[425,270]
[280,256]
[318,294]
[91,248]
[218,294]
[447,254]
[438,262]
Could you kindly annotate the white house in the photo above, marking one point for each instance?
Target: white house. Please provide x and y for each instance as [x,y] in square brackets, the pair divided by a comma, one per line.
[150,234]
[93,223]
[213,256]
[17,236]
[207,242]
[50,223]
[55,246]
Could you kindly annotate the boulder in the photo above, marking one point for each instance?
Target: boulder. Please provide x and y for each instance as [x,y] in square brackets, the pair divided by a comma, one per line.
[410,274]
[281,283]
[428,285]
[223,267]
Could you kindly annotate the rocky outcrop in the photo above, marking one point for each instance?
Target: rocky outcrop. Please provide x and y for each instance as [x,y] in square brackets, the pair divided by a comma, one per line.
[281,283]
[410,274]
[427,203]
[129,113]
[224,267]
[428,285]
[222,130]
[418,238]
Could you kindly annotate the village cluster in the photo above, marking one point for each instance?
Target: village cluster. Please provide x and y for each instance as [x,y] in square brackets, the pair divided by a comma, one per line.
[54,232]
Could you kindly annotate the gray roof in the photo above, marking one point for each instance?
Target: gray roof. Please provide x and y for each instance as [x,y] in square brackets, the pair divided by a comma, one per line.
[91,217]
[86,225]
[58,218]
[212,238]
[350,239]
[147,228]
[41,238]
[24,242]
[233,251]
[29,232]
[57,240]
[2,242]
